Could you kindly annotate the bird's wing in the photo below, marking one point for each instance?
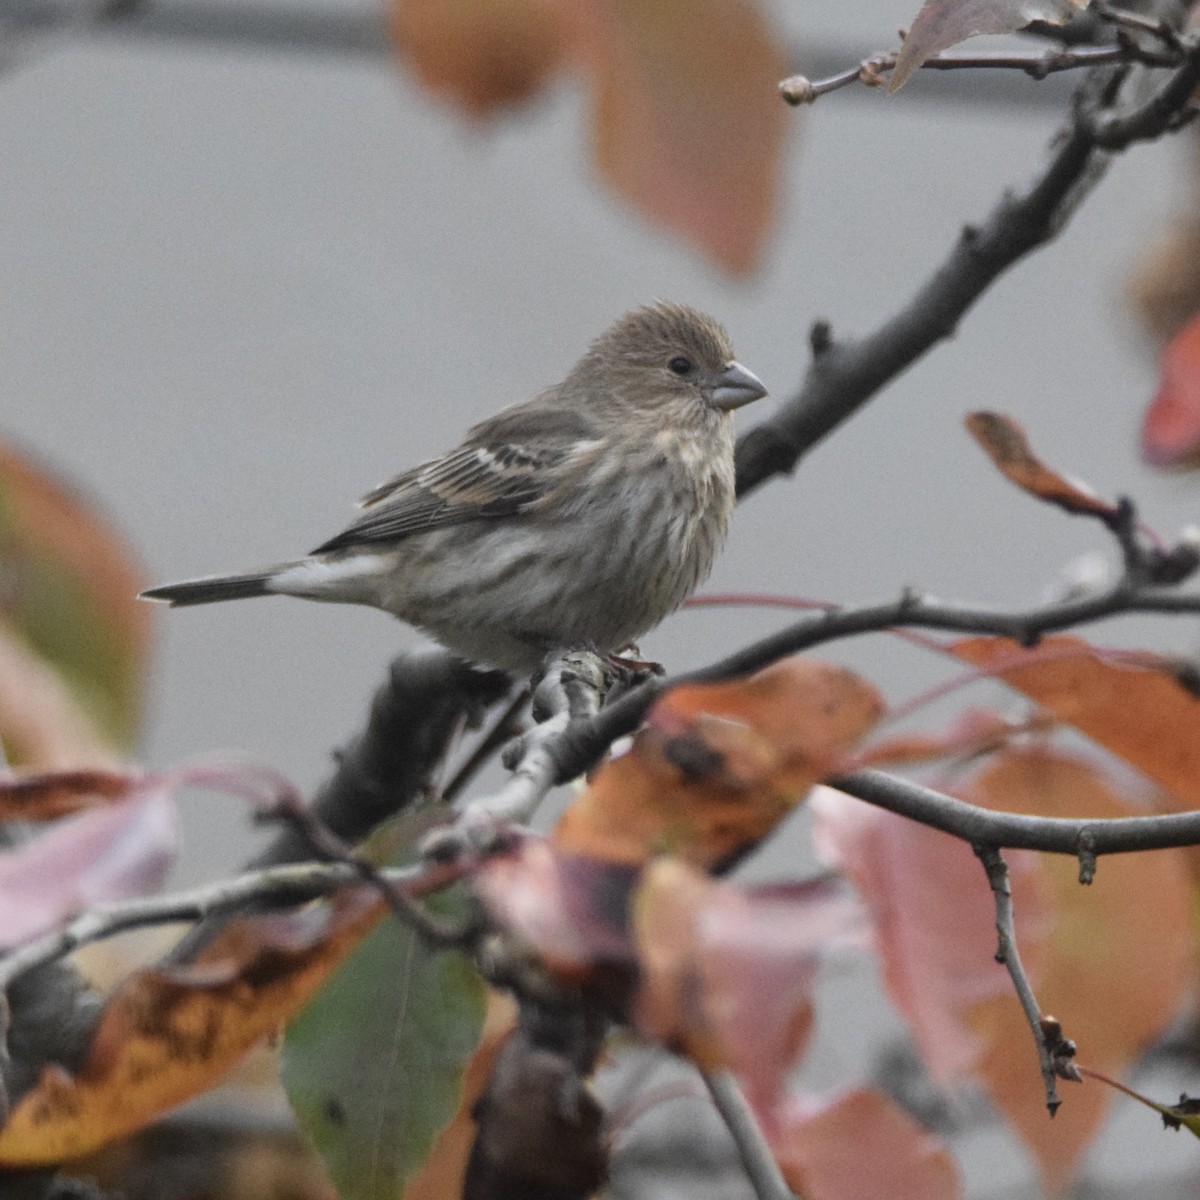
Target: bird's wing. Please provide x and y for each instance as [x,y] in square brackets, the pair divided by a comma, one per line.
[506,464]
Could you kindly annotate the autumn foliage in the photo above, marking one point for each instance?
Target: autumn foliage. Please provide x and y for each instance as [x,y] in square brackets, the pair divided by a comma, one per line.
[440,1011]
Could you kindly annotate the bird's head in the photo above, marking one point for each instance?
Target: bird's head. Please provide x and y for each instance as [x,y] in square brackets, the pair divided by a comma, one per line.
[662,354]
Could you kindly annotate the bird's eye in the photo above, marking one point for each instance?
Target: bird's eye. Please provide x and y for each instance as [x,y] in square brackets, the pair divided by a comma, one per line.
[680,365]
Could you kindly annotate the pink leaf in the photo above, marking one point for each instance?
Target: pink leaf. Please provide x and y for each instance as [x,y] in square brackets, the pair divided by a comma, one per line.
[934,920]
[861,1144]
[727,973]
[1171,430]
[106,854]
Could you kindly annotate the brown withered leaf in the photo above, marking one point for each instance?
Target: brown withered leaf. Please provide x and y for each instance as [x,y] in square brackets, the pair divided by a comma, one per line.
[48,795]
[1008,447]
[944,23]
[480,54]
[540,1127]
[717,766]
[1114,969]
[167,1034]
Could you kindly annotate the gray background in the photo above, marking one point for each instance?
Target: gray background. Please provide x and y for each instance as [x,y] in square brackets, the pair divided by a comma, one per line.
[240,287]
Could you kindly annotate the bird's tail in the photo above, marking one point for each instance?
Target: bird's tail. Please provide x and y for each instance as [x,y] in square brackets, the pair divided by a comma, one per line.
[216,587]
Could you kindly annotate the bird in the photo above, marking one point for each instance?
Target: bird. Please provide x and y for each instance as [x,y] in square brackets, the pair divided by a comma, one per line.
[578,519]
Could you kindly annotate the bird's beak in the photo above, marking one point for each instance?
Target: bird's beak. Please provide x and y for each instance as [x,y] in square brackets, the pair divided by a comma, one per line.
[736,386]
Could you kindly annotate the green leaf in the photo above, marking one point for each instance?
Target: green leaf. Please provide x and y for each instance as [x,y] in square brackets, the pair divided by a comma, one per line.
[374,1065]
[69,596]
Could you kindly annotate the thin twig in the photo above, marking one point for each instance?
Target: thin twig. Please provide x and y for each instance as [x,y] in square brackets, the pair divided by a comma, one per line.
[1140,23]
[574,749]
[1052,1060]
[570,693]
[846,373]
[765,1177]
[434,929]
[504,728]
[292,884]
[798,89]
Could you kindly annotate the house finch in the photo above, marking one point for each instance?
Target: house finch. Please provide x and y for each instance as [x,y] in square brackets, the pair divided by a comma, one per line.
[579,518]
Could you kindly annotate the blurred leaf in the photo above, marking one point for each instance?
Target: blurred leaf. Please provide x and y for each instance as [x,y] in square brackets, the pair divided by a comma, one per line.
[1116,966]
[1111,961]
[69,592]
[726,973]
[482,54]
[1139,710]
[112,853]
[1007,446]
[973,733]
[934,921]
[686,119]
[42,724]
[687,124]
[1171,430]
[167,1034]
[821,1148]
[375,1065]
[570,910]
[444,1170]
[944,23]
[717,766]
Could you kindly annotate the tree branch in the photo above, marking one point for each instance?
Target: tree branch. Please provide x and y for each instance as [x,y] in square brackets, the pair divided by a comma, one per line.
[415,716]
[1085,839]
[1008,954]
[1038,64]
[291,884]
[763,1171]
[844,375]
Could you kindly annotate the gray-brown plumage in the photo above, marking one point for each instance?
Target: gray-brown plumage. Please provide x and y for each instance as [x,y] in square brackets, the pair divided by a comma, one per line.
[581,517]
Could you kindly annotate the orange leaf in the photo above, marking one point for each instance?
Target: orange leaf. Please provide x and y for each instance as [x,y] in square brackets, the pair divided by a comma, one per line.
[974,733]
[861,1144]
[1114,970]
[717,766]
[686,122]
[166,1035]
[1008,447]
[481,54]
[1171,430]
[1141,713]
